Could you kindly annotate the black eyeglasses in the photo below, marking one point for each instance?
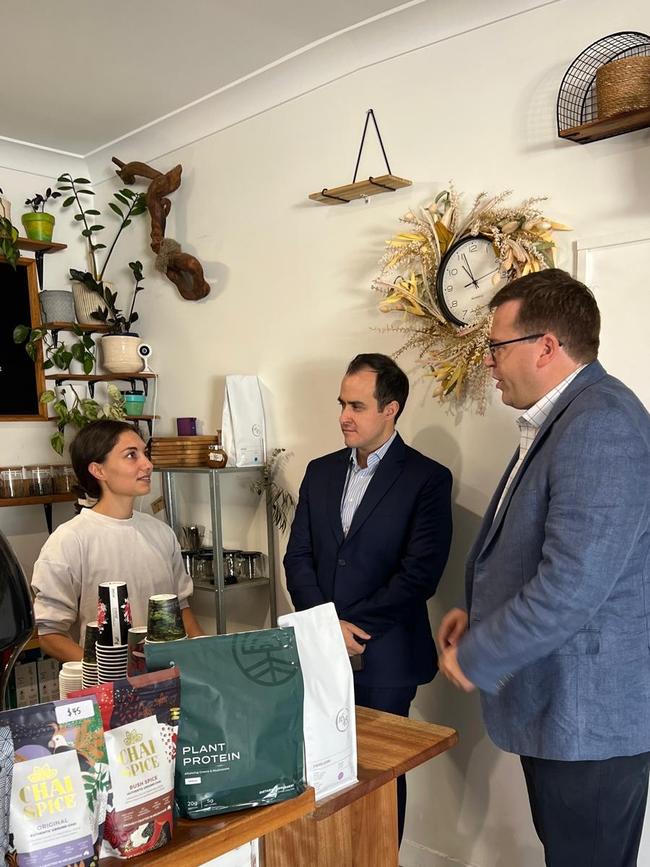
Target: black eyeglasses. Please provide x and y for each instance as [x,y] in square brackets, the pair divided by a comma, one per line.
[493,346]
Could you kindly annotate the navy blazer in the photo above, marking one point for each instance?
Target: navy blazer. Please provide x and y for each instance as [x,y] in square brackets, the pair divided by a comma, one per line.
[381,574]
[558,584]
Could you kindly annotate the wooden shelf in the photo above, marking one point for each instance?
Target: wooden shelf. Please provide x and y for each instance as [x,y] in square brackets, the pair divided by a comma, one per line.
[39,246]
[360,190]
[98,377]
[596,130]
[245,582]
[38,501]
[69,326]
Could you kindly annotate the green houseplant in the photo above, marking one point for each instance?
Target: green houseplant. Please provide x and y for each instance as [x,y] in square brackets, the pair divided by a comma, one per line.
[95,301]
[38,224]
[281,501]
[8,234]
[80,412]
[89,287]
[57,354]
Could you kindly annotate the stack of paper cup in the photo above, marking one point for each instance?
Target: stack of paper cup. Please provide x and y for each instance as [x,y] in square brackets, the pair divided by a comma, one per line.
[111,662]
[70,678]
[113,614]
[113,623]
[89,662]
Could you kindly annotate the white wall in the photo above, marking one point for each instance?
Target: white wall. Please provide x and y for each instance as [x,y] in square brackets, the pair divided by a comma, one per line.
[291,301]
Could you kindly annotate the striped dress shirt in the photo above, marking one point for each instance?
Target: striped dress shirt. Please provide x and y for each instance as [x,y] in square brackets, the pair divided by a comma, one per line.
[357,481]
[531,421]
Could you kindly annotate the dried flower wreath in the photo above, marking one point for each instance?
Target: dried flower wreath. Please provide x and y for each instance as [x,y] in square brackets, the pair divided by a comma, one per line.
[523,241]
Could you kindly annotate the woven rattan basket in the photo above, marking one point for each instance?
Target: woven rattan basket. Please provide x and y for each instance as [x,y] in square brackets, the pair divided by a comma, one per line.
[623,85]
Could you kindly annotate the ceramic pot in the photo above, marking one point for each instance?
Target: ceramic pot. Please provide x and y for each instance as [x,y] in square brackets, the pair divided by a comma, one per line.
[57,305]
[38,226]
[120,353]
[86,302]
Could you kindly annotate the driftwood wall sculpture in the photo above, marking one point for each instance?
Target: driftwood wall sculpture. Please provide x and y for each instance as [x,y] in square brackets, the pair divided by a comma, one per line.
[184,270]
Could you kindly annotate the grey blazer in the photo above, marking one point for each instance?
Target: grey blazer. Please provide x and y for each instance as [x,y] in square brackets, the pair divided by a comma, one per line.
[558,584]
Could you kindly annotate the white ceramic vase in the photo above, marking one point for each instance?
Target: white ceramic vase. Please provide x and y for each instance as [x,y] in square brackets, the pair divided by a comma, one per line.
[120,353]
[86,302]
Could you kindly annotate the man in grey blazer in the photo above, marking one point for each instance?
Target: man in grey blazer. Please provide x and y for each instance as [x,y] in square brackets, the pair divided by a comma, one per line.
[556,632]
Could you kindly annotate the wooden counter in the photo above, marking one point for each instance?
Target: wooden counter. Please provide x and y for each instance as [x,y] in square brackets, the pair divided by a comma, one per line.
[354,828]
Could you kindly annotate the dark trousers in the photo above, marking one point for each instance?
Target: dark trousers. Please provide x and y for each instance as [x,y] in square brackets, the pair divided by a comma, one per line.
[588,814]
[395,700]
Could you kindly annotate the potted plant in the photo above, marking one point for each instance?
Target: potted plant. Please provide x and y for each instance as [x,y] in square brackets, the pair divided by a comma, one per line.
[39,225]
[8,233]
[57,354]
[89,287]
[81,411]
[120,345]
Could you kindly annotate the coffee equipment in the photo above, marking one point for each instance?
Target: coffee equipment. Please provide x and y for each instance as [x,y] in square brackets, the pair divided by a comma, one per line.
[16,613]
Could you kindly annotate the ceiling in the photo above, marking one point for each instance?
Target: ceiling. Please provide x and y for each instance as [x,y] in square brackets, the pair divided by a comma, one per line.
[89,72]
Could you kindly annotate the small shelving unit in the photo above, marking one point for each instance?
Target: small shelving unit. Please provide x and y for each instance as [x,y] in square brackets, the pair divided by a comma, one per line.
[220,589]
[92,379]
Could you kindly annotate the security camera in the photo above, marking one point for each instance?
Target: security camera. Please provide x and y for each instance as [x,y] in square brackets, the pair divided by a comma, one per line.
[144,351]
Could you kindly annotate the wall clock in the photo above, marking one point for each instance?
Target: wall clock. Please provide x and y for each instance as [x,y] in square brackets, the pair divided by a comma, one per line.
[454,265]
[469,275]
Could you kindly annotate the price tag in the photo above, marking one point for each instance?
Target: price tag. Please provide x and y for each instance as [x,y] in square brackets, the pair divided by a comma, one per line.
[74,711]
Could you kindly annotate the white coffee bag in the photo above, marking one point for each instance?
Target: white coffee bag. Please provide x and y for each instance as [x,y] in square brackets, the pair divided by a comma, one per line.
[329,720]
[243,427]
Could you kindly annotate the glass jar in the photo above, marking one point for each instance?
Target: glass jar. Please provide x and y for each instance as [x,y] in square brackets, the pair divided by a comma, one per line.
[202,567]
[249,565]
[63,479]
[13,483]
[41,481]
[217,458]
[229,566]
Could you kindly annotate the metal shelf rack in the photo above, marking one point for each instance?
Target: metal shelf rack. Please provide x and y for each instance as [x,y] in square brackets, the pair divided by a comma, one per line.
[220,589]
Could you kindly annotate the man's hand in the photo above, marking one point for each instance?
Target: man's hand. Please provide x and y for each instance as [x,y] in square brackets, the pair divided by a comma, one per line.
[448,665]
[350,634]
[452,627]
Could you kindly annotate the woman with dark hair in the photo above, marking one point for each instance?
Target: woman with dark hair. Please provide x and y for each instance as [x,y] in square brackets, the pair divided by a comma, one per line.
[109,542]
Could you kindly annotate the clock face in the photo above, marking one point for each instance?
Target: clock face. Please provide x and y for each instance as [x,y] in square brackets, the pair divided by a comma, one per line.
[466,282]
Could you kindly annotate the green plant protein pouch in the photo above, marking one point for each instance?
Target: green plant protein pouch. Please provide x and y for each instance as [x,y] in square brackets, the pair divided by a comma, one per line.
[240,740]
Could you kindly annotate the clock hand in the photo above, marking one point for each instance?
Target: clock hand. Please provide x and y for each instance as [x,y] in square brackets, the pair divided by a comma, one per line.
[488,274]
[468,271]
[480,278]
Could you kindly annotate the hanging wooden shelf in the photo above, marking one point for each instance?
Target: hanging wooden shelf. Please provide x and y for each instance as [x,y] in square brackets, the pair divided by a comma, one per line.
[387,183]
[360,190]
[595,130]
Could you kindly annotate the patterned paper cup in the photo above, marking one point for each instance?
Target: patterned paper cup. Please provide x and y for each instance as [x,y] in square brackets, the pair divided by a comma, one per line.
[136,663]
[164,621]
[90,639]
[113,613]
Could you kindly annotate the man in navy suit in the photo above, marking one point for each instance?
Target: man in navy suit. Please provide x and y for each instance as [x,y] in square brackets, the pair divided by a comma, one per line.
[556,633]
[371,534]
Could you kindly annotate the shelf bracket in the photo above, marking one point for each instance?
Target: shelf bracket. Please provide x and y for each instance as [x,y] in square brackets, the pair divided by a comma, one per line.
[38,255]
[48,517]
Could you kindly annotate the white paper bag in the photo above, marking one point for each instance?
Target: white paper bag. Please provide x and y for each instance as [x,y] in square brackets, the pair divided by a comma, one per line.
[329,720]
[243,429]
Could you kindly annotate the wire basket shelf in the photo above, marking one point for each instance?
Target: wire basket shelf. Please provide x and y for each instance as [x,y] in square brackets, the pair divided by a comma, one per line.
[576,102]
